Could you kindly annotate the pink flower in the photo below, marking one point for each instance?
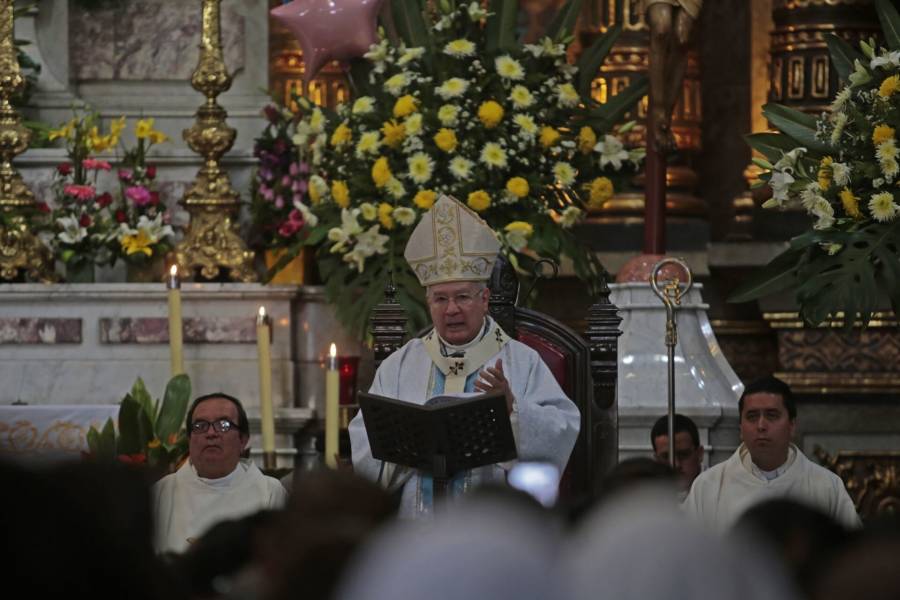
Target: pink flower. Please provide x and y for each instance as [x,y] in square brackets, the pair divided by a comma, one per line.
[291,225]
[43,207]
[151,171]
[64,169]
[104,199]
[154,198]
[121,217]
[139,195]
[93,164]
[83,193]
[125,174]
[85,220]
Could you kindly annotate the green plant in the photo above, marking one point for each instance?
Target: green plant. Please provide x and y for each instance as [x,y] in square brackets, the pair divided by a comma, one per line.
[843,168]
[148,432]
[457,105]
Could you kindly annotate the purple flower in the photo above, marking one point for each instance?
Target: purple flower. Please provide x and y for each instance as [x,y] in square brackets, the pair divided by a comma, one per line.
[279,202]
[271,113]
[304,167]
[294,169]
[267,193]
[300,185]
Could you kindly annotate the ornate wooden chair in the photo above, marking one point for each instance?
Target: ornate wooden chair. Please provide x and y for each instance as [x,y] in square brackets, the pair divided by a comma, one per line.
[584,366]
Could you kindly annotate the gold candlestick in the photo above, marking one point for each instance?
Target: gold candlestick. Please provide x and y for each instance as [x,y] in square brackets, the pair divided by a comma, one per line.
[211,241]
[20,249]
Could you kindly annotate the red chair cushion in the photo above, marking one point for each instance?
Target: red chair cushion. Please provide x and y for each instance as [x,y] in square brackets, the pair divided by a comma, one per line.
[554,356]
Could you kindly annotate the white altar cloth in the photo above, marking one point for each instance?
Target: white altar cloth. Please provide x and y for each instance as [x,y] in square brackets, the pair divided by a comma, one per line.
[49,432]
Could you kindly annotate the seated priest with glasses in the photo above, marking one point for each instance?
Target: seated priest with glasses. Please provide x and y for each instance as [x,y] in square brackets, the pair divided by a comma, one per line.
[452,252]
[215,483]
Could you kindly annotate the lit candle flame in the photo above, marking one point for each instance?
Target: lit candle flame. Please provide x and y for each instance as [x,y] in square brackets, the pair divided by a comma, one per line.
[332,352]
[173,270]
[262,312]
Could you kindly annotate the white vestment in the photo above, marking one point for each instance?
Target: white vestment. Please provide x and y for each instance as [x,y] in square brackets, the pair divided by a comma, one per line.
[721,494]
[545,422]
[186,505]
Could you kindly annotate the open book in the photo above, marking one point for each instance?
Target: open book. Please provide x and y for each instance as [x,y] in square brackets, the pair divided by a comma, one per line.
[443,437]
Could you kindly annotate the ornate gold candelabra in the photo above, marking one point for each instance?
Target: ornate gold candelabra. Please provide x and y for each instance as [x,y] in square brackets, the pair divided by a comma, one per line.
[211,241]
[20,249]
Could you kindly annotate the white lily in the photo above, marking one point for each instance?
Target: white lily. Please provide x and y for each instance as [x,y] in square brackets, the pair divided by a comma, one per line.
[72,232]
[612,151]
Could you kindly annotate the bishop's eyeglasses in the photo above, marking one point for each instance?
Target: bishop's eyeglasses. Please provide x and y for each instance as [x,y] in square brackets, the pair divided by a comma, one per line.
[220,425]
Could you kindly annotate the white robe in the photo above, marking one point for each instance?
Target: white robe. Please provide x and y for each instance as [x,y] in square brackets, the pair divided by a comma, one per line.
[186,505]
[721,494]
[545,422]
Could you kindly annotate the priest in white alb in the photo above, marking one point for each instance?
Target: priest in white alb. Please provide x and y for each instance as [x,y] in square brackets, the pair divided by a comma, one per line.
[767,466]
[215,484]
[452,251]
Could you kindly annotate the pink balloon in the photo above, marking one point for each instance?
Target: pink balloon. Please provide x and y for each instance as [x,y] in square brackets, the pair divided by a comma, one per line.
[330,29]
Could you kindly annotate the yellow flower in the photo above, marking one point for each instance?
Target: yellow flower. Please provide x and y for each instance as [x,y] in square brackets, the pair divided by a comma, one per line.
[851,203]
[384,215]
[317,188]
[340,193]
[116,127]
[479,201]
[154,443]
[98,142]
[518,187]
[67,131]
[889,86]
[882,133]
[363,106]
[393,133]
[157,137]
[413,124]
[405,105]
[587,139]
[490,113]
[395,84]
[342,135]
[381,172]
[824,175]
[132,244]
[445,140]
[368,211]
[493,155]
[526,124]
[368,143]
[143,128]
[601,190]
[522,227]
[549,136]
[424,199]
[564,173]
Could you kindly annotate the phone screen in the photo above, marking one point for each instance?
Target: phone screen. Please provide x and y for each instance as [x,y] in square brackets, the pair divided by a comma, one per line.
[539,479]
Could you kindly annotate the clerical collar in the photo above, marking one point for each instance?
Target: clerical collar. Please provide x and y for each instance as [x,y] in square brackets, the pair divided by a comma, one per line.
[220,482]
[448,349]
[747,460]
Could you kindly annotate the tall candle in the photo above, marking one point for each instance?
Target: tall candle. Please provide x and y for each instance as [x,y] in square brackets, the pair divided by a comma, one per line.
[263,338]
[332,386]
[176,358]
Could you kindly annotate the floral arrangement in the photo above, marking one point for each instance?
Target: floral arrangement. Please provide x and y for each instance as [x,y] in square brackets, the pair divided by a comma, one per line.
[842,168]
[144,233]
[456,105]
[279,182]
[147,431]
[81,225]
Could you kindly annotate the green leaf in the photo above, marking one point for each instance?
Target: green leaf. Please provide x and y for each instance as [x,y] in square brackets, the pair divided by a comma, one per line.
[500,29]
[771,145]
[854,279]
[563,24]
[798,125]
[890,22]
[106,442]
[140,394]
[409,21]
[135,428]
[777,276]
[174,408]
[591,59]
[606,115]
[842,56]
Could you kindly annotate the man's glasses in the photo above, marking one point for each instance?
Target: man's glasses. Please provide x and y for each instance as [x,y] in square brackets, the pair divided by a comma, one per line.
[463,300]
[220,425]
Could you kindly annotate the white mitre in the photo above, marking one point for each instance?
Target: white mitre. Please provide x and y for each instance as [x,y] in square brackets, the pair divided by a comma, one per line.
[451,243]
